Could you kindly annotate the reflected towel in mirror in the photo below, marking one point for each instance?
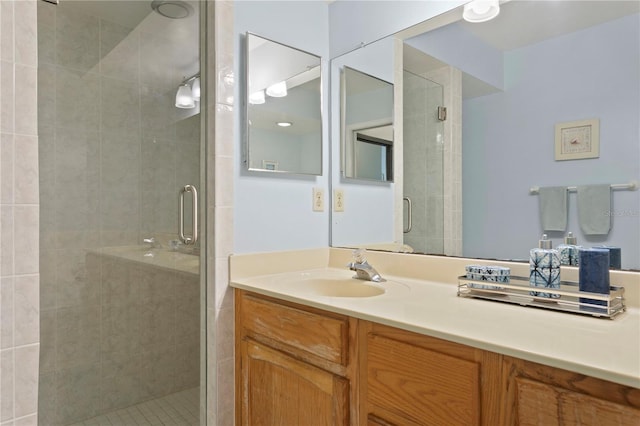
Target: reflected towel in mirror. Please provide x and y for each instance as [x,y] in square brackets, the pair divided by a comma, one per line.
[553,208]
[594,209]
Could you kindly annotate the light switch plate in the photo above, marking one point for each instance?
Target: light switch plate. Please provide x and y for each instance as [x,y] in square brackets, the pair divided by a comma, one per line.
[338,200]
[318,199]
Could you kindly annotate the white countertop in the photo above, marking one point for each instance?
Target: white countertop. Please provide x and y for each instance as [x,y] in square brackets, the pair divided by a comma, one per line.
[603,348]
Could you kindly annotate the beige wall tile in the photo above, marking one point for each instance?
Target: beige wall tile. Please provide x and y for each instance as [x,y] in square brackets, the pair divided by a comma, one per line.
[27,310]
[7,33]
[26,241]
[26,99]
[26,39]
[26,380]
[6,384]
[6,240]
[7,90]
[6,167]
[6,312]
[26,169]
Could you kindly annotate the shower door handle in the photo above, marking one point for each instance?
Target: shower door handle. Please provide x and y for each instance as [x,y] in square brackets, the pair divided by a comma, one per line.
[193,238]
[409,214]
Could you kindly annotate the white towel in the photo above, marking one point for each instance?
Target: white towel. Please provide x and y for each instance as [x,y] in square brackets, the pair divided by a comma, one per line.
[594,209]
[553,208]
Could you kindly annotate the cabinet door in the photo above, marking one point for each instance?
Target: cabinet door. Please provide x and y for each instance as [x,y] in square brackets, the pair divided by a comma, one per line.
[280,390]
[539,395]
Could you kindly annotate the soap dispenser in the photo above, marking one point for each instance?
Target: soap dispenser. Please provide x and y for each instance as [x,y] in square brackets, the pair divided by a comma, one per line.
[569,251]
[544,268]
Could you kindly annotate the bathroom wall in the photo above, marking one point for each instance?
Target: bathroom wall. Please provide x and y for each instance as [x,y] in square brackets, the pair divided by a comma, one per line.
[19,279]
[509,140]
[274,211]
[356,22]
[113,153]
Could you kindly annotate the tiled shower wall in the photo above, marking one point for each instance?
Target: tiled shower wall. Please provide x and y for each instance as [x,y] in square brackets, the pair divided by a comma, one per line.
[19,305]
[114,152]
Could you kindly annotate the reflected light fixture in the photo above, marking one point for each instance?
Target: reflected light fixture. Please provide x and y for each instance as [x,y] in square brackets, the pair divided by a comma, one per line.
[184,97]
[284,123]
[188,94]
[195,89]
[277,90]
[481,10]
[257,98]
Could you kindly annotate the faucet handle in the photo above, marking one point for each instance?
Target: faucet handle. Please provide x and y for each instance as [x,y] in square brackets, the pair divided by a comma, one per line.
[359,255]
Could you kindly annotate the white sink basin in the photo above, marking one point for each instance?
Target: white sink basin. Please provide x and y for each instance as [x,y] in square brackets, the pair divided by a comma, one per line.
[343,287]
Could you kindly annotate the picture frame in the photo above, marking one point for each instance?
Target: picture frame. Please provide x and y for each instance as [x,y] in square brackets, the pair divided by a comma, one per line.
[270,165]
[577,140]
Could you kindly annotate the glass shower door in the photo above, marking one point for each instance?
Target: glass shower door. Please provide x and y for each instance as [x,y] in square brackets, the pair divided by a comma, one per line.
[423,146]
[120,295]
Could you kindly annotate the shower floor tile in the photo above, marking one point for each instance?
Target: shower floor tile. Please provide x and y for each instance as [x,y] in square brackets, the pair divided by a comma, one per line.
[178,409]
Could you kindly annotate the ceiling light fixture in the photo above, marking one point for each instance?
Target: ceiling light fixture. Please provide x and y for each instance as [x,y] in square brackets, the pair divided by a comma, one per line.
[277,90]
[172,9]
[481,10]
[284,123]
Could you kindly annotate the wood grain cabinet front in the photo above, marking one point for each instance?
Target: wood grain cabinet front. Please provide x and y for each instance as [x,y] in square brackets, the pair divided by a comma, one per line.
[301,366]
[411,379]
[294,364]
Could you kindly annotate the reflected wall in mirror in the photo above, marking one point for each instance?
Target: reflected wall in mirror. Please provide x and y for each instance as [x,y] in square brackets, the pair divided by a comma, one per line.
[367,123]
[284,118]
[519,75]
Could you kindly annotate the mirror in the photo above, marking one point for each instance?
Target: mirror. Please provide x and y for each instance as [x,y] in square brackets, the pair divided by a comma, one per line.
[505,84]
[284,118]
[367,120]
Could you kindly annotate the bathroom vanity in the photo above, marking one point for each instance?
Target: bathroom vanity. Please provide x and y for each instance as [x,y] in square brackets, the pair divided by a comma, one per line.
[308,358]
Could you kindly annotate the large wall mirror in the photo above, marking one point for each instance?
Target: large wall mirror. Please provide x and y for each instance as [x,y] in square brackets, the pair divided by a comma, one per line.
[367,123]
[482,101]
[284,118]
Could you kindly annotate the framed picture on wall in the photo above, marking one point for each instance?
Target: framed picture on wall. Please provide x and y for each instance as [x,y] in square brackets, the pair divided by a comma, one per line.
[576,140]
[269,165]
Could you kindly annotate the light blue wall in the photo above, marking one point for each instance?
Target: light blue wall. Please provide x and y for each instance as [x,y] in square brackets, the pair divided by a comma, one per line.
[508,140]
[353,22]
[274,211]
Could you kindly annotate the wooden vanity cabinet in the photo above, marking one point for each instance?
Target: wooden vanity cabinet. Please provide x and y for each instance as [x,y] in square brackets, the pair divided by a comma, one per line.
[297,365]
[294,364]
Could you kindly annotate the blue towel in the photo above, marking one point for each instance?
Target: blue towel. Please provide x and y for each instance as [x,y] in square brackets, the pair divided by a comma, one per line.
[553,208]
[594,209]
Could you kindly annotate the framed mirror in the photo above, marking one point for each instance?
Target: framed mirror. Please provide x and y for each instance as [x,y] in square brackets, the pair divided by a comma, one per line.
[367,123]
[284,110]
[505,84]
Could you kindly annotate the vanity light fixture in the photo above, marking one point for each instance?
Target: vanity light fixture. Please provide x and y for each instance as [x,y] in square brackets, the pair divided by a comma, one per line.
[195,89]
[257,98]
[184,97]
[284,123]
[188,94]
[277,90]
[481,10]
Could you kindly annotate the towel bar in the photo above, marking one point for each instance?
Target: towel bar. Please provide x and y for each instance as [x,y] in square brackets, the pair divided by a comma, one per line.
[631,186]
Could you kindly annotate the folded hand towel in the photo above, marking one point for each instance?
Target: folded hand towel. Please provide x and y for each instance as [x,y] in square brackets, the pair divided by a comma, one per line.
[553,208]
[594,206]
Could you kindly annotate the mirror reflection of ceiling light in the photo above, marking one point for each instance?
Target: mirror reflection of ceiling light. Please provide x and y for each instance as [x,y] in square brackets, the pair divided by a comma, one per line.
[284,123]
[481,10]
[277,90]
[184,97]
[257,98]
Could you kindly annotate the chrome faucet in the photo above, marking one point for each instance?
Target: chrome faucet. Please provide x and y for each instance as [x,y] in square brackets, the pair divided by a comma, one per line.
[152,243]
[363,270]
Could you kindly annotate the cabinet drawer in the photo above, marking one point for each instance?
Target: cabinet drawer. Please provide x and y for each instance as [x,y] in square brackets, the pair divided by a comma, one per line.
[298,329]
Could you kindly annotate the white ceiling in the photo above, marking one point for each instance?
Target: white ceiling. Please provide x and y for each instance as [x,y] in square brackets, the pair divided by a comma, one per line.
[539,20]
